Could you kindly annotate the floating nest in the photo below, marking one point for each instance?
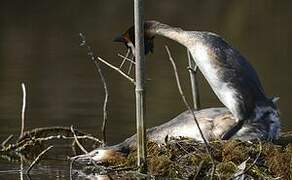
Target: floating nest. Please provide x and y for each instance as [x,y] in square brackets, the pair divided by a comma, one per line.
[177,158]
[188,159]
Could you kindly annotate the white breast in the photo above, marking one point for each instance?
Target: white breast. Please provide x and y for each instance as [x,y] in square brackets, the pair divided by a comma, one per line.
[225,93]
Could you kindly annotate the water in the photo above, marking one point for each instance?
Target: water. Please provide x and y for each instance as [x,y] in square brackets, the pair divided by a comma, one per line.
[39,45]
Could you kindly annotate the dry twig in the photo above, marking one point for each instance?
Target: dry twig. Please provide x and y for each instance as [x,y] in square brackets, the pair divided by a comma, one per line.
[125,58]
[6,140]
[37,159]
[96,63]
[190,109]
[70,168]
[77,141]
[194,82]
[117,69]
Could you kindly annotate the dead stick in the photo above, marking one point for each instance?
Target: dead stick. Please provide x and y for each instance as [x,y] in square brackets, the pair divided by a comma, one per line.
[125,58]
[23,109]
[77,141]
[190,109]
[140,81]
[96,63]
[21,168]
[6,140]
[130,68]
[194,81]
[66,137]
[117,69]
[70,168]
[37,159]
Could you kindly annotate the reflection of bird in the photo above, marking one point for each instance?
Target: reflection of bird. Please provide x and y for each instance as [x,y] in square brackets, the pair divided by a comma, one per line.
[249,114]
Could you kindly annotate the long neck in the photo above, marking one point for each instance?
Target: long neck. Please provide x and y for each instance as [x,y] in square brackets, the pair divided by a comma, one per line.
[174,33]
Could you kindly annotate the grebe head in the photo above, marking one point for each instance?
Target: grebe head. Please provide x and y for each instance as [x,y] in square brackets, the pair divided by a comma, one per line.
[128,37]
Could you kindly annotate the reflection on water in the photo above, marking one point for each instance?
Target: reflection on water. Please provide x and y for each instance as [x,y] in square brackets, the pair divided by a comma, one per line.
[50,169]
[39,45]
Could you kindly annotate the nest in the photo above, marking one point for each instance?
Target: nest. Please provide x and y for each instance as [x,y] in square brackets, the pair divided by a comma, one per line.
[186,158]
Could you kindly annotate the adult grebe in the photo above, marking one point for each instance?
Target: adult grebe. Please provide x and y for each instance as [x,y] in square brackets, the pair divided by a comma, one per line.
[230,76]
[249,113]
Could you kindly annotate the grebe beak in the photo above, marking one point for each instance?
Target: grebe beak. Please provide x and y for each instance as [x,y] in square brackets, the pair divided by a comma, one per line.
[119,38]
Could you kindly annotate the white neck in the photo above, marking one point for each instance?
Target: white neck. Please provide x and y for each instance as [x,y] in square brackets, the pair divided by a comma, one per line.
[174,33]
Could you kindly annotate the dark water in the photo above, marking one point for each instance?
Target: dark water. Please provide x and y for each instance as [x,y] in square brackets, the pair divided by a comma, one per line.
[39,45]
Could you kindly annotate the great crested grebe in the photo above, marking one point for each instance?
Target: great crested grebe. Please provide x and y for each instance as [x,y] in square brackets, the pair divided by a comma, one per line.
[248,115]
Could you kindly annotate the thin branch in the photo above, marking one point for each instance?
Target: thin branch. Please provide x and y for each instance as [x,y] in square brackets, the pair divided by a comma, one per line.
[23,109]
[21,168]
[46,131]
[128,59]
[130,68]
[6,140]
[194,82]
[22,144]
[45,134]
[66,137]
[96,63]
[77,141]
[117,69]
[37,159]
[71,168]
[190,109]
[125,58]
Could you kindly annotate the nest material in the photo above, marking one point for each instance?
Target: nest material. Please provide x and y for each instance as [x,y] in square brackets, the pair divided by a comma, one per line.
[185,158]
[179,158]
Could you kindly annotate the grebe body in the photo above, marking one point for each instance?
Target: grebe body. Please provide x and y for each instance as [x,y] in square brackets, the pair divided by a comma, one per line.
[231,77]
[214,122]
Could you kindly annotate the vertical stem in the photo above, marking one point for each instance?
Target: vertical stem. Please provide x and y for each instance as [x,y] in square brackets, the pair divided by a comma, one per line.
[106,96]
[23,109]
[194,82]
[139,55]
[21,168]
